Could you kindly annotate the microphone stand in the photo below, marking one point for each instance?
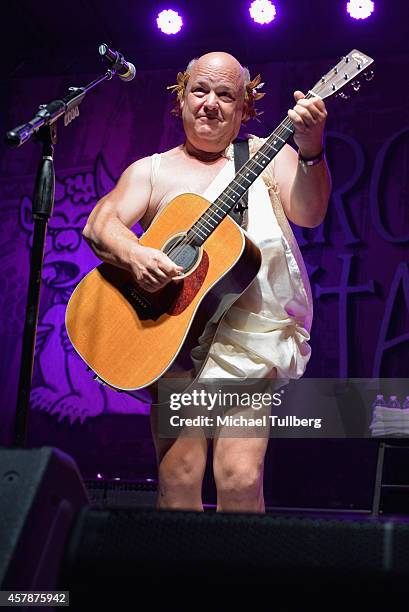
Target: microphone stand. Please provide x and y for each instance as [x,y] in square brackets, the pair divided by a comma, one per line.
[43,127]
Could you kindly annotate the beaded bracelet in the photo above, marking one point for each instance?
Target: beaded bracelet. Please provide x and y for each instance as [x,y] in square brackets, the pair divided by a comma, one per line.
[312,161]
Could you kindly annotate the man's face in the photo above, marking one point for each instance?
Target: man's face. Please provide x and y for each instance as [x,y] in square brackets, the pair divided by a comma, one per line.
[212,108]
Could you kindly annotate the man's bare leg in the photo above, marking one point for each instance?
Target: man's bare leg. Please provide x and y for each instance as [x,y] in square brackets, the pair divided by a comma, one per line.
[181,466]
[238,466]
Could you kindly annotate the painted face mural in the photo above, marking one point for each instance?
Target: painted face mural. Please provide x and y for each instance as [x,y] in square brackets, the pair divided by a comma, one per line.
[61,384]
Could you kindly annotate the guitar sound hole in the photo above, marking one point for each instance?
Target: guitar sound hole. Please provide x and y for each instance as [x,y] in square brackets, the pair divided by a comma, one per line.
[182,254]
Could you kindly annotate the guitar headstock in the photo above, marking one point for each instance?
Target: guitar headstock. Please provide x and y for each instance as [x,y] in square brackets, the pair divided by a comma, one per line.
[344,74]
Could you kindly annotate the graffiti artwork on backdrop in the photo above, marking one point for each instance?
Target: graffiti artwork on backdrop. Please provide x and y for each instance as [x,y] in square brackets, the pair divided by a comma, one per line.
[61,384]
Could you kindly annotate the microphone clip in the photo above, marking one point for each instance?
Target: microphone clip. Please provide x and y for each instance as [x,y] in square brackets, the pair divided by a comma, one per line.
[118,65]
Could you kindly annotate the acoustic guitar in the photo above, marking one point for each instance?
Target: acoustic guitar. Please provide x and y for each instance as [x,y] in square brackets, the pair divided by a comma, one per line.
[130,338]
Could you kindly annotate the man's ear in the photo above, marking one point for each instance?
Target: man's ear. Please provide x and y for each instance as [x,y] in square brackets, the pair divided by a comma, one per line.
[245,116]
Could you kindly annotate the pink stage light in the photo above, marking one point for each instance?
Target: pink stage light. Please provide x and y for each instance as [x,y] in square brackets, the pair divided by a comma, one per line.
[170,22]
[360,9]
[262,11]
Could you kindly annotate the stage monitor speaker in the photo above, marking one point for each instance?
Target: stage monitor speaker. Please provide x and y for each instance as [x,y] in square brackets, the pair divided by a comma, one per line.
[169,553]
[41,491]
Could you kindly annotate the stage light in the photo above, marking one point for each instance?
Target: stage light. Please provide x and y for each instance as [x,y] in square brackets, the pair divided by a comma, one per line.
[262,11]
[360,9]
[170,22]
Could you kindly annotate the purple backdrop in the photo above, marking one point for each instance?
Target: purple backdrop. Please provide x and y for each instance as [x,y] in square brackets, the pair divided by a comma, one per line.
[357,260]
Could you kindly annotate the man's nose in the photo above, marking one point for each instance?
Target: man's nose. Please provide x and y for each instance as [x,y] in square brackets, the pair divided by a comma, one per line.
[211,101]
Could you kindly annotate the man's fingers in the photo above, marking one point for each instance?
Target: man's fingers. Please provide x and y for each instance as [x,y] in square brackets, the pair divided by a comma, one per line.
[318,103]
[298,95]
[310,110]
[151,284]
[149,279]
[316,106]
[158,274]
[296,119]
[169,267]
[305,115]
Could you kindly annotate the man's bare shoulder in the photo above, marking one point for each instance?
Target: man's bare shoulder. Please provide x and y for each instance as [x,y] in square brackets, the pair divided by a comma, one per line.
[137,170]
[171,155]
[141,168]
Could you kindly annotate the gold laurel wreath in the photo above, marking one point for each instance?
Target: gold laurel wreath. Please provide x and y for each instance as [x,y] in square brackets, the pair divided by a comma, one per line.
[251,95]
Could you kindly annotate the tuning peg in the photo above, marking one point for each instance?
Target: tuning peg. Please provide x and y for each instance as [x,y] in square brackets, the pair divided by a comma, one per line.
[369,75]
[356,85]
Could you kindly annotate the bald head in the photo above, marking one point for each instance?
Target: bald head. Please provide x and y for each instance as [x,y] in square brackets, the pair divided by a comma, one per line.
[224,64]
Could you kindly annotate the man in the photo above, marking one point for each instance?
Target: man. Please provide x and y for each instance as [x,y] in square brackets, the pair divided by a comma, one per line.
[265,333]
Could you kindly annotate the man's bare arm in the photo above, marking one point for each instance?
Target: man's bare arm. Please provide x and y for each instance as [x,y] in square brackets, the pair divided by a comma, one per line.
[304,195]
[107,230]
[305,190]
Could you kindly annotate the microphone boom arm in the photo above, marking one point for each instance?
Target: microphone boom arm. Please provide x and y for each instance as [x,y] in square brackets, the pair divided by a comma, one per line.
[50,113]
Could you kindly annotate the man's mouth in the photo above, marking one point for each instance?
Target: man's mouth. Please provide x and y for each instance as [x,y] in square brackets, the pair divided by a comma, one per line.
[208,118]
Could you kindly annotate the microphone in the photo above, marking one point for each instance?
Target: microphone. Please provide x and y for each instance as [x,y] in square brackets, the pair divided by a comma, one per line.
[125,70]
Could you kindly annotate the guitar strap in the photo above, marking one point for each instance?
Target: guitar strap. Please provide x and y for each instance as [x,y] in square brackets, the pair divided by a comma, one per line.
[241,155]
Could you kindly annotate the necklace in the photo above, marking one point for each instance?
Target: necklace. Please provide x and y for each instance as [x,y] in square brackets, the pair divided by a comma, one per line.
[204,156]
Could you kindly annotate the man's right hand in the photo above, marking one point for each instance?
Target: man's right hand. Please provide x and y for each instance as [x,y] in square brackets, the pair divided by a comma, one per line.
[152,269]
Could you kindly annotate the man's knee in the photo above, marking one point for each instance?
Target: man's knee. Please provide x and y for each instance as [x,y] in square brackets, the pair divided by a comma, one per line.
[182,473]
[239,480]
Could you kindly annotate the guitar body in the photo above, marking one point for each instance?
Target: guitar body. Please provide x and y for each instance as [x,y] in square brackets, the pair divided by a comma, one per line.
[131,338]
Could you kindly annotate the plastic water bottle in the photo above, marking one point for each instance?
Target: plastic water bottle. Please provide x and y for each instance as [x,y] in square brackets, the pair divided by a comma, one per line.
[393,402]
[379,401]
[405,404]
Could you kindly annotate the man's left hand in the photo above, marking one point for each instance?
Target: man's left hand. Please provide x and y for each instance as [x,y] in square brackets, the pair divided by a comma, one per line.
[308,117]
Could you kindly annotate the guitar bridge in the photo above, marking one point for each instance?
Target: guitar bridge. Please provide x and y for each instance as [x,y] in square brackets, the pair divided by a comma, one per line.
[143,306]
